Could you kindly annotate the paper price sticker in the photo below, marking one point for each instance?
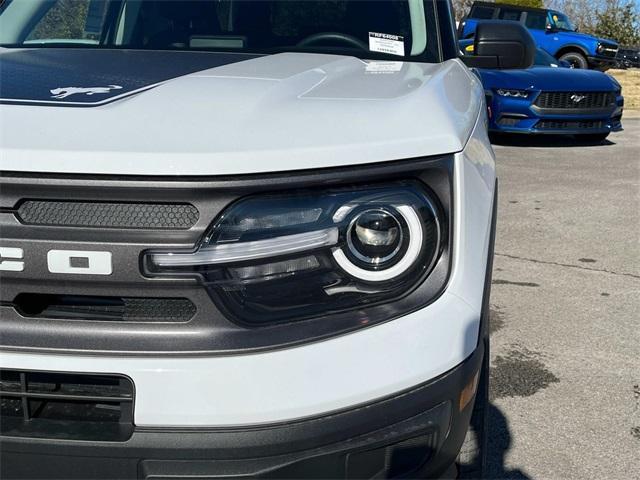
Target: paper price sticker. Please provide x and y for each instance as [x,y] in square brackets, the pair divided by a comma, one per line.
[386,43]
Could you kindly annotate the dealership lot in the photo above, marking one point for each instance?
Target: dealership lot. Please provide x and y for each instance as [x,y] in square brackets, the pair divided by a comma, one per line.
[566,310]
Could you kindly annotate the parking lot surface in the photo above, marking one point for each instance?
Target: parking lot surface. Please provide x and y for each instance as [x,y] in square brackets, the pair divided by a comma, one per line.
[566,310]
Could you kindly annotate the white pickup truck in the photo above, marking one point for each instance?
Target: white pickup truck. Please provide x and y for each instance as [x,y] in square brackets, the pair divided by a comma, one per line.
[247,239]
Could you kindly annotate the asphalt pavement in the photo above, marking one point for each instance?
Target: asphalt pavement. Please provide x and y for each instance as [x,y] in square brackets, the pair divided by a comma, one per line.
[565,391]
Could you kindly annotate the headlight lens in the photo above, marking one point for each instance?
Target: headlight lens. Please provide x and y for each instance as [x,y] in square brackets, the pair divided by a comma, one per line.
[279,258]
[512,93]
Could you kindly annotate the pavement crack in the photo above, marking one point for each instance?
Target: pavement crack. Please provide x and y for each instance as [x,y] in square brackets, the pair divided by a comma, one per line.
[568,265]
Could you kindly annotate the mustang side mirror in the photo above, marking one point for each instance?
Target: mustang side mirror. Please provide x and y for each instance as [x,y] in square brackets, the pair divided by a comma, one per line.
[501,44]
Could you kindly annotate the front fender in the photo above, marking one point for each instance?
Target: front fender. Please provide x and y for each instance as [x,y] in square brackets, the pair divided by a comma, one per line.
[587,48]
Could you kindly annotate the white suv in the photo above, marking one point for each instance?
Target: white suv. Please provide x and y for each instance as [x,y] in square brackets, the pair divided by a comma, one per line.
[244,238]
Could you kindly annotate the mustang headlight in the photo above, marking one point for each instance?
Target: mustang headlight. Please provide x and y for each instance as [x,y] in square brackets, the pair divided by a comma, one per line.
[273,258]
[512,93]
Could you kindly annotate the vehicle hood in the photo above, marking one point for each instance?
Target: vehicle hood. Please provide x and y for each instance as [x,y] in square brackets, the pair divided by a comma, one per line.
[188,113]
[583,37]
[548,78]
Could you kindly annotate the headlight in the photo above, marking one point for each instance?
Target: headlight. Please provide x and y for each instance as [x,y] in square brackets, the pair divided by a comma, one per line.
[512,93]
[274,258]
[600,48]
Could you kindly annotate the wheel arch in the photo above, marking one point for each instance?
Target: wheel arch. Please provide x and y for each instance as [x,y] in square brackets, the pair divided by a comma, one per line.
[571,48]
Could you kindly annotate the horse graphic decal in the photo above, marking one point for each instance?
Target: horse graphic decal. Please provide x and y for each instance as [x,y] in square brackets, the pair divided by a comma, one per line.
[64,92]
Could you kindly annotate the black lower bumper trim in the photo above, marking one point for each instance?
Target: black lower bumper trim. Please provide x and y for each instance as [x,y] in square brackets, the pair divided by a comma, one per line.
[418,432]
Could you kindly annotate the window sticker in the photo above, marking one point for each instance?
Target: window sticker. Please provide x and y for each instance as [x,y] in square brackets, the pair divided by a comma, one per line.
[385,43]
[380,67]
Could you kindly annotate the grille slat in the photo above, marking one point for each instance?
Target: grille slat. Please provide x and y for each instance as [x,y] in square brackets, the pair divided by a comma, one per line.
[575,100]
[111,309]
[570,125]
[143,216]
[86,406]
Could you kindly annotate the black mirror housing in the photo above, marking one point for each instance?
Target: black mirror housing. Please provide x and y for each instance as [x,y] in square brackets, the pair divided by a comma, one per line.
[502,44]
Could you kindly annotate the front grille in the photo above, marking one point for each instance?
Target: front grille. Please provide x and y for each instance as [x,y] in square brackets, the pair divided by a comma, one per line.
[66,405]
[100,308]
[575,100]
[609,50]
[569,125]
[108,215]
[506,121]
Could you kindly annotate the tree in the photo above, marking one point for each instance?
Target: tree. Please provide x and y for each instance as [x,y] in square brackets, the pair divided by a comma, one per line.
[619,22]
[524,3]
[65,19]
[581,12]
[461,8]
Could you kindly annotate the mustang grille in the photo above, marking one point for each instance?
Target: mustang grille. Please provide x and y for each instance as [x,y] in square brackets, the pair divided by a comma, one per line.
[567,125]
[575,100]
[66,405]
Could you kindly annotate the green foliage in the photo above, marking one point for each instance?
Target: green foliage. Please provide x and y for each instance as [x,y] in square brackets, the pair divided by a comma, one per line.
[525,3]
[64,20]
[620,23]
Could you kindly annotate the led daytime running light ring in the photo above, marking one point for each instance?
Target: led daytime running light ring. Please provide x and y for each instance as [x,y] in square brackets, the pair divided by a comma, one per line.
[414,248]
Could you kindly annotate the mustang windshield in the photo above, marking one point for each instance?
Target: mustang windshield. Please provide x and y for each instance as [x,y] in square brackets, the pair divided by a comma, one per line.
[366,28]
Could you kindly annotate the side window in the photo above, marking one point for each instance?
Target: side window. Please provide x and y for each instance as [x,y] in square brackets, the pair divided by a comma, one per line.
[71,20]
[482,13]
[536,20]
[509,14]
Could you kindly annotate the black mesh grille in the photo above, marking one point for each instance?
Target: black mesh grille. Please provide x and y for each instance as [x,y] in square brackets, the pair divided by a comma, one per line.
[66,406]
[568,125]
[575,100]
[96,308]
[108,215]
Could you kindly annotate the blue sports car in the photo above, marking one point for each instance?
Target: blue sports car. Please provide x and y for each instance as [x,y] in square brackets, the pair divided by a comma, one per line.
[550,98]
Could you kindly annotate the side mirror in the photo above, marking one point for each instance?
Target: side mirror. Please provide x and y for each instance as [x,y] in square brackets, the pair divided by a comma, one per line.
[501,44]
[551,29]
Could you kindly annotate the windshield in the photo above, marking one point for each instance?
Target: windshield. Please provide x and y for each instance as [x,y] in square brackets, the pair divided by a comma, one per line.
[371,28]
[562,22]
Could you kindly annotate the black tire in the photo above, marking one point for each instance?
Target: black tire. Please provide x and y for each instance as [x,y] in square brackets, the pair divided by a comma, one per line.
[593,138]
[472,458]
[576,59]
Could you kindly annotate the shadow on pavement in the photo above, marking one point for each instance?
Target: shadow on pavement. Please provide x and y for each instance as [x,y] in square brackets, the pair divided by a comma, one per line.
[546,141]
[499,443]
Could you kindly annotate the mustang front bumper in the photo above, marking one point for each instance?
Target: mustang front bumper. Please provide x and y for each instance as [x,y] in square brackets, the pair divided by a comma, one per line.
[507,115]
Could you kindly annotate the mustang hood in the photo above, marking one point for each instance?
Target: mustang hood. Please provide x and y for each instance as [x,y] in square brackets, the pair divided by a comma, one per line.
[187,113]
[548,78]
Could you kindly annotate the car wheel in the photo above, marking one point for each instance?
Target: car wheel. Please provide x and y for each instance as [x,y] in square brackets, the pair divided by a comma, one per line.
[575,59]
[593,138]
[472,458]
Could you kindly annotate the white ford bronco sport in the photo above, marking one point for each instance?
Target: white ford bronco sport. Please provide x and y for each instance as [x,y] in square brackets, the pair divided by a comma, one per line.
[247,239]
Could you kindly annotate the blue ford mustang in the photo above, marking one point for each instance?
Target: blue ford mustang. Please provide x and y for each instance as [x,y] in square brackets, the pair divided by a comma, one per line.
[550,98]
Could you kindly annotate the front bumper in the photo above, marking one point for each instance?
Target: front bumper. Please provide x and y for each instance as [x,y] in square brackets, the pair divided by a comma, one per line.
[417,432]
[520,116]
[601,62]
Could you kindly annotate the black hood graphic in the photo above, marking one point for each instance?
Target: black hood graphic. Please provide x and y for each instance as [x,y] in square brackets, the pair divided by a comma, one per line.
[91,77]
